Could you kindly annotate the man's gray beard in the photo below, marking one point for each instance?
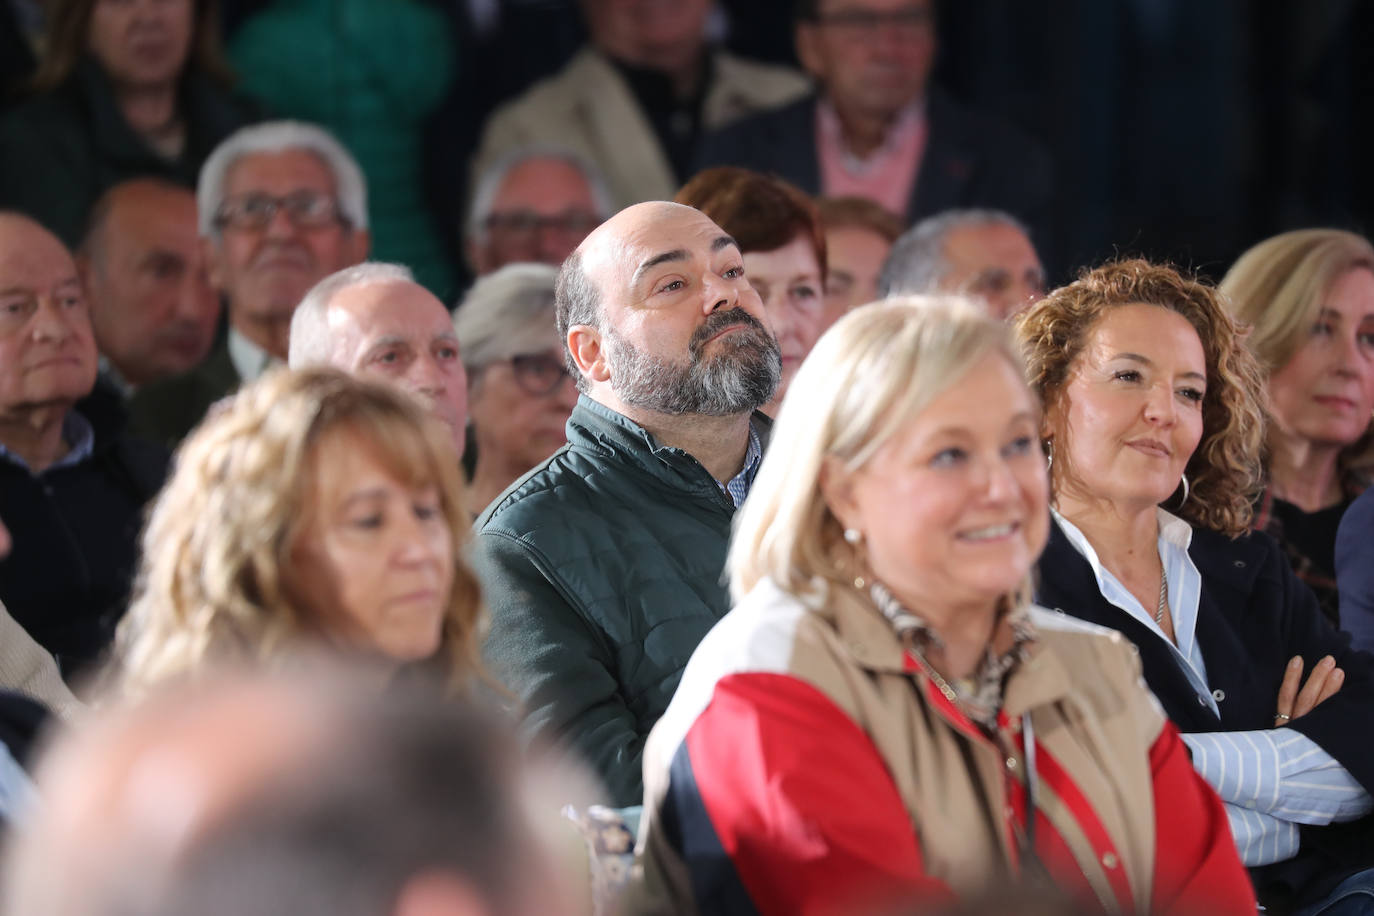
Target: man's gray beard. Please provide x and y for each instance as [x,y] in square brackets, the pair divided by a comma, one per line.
[740,378]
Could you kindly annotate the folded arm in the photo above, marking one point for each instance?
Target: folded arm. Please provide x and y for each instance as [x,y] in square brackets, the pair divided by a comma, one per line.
[1272,777]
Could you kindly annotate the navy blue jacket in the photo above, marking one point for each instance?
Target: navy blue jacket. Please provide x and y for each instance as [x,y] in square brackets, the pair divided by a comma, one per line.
[1253,616]
[970,160]
[1355,570]
[75,531]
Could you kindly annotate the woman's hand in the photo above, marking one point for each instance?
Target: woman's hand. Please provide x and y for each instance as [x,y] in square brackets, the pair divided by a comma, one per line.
[1322,684]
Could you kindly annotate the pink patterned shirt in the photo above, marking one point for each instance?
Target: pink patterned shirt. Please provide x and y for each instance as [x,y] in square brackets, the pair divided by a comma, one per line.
[888,175]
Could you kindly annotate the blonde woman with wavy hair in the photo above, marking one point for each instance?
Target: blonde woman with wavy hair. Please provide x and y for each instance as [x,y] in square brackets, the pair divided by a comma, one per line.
[310,510]
[883,721]
[1309,299]
[1154,421]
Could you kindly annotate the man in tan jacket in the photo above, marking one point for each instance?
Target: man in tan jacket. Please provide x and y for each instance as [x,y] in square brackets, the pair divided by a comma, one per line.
[638,98]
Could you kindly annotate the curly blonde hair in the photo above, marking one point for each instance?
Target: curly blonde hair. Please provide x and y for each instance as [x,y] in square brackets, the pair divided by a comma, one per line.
[1225,468]
[215,582]
[1277,287]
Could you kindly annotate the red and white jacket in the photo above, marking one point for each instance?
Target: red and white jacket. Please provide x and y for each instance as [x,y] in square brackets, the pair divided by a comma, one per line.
[806,765]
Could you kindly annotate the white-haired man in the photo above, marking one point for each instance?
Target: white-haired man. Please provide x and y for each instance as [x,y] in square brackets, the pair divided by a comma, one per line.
[279,206]
[374,320]
[534,205]
[986,254]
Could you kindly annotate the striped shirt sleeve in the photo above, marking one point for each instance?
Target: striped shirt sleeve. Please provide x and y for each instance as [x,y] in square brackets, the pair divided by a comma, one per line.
[1275,776]
[1261,839]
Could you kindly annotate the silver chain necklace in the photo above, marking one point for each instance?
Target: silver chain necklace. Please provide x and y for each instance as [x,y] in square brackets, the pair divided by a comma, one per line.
[1163,595]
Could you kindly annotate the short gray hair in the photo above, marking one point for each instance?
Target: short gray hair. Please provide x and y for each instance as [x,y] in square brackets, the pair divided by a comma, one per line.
[279,137]
[489,182]
[916,264]
[576,301]
[310,344]
[507,313]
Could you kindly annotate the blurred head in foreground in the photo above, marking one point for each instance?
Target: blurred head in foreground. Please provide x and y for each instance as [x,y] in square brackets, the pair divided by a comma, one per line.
[284,794]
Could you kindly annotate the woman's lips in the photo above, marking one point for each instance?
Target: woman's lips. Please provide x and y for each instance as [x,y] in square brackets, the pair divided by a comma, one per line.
[1335,401]
[1152,447]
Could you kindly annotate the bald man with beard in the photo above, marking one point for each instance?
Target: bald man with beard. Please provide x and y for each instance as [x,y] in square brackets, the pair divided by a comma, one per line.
[602,566]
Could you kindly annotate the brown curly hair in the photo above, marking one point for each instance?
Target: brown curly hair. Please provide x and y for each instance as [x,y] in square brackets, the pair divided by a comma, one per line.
[215,581]
[1225,468]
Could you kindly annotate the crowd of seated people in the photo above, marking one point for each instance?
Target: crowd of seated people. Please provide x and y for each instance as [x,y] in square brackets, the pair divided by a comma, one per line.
[758,529]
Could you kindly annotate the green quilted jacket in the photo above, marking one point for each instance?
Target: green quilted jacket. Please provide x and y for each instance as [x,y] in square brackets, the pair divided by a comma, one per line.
[602,568]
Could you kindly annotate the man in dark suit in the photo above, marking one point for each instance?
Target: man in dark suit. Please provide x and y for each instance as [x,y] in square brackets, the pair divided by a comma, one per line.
[72,483]
[151,303]
[280,205]
[877,129]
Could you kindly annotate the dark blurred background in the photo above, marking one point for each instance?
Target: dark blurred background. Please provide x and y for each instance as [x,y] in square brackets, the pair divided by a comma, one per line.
[1180,129]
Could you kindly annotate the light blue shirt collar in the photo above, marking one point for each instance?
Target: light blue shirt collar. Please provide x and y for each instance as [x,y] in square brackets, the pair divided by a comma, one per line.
[1185,593]
[737,487]
[79,436]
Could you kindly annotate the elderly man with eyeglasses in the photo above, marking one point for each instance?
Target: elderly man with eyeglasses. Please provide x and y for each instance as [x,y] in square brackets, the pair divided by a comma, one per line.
[533,205]
[280,206]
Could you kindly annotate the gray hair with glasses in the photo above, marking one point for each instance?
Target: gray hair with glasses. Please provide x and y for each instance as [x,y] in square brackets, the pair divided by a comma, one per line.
[489,182]
[310,342]
[280,137]
[916,264]
[507,313]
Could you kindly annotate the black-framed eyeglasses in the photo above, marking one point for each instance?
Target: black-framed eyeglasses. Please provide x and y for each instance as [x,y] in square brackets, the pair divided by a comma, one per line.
[538,374]
[305,209]
[526,224]
[869,22]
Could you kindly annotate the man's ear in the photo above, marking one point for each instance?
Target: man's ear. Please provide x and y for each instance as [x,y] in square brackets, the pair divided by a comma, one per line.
[361,245]
[585,345]
[837,487]
[477,256]
[84,268]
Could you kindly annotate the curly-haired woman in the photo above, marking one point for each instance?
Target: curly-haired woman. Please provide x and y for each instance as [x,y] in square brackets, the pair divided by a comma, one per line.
[1153,423]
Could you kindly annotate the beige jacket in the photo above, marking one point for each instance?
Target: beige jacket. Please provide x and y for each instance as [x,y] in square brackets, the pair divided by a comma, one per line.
[586,107]
[28,668]
[1091,714]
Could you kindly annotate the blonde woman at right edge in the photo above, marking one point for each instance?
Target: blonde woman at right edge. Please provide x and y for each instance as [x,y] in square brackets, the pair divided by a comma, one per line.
[1308,297]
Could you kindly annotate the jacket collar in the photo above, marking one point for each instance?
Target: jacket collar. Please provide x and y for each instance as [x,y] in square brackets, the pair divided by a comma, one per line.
[1066,582]
[597,428]
[870,641]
